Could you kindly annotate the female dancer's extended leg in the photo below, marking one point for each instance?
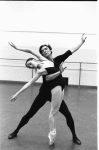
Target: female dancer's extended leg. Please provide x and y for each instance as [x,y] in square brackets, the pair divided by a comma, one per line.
[56,100]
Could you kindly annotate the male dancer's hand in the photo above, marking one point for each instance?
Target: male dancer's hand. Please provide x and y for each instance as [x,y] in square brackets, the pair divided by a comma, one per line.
[11,44]
[83,38]
[62,68]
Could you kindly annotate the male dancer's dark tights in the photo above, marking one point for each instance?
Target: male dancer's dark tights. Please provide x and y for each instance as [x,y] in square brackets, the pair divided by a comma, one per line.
[39,101]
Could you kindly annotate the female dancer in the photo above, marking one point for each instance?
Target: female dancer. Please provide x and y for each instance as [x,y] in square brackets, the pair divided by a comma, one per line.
[45,94]
[46,67]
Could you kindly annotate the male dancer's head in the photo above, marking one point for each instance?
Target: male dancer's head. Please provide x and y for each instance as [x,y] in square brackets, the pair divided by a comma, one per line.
[46,51]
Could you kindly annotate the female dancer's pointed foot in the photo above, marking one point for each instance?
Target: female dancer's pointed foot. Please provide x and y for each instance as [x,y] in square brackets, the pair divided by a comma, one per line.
[51,137]
[12,135]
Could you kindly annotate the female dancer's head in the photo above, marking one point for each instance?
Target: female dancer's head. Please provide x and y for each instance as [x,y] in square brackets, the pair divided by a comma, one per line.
[32,63]
[45,50]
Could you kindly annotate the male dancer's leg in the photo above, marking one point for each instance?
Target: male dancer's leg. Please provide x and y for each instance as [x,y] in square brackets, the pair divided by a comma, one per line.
[70,122]
[39,101]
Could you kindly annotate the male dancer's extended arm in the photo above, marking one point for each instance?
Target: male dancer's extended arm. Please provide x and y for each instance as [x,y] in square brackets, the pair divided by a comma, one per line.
[80,44]
[63,57]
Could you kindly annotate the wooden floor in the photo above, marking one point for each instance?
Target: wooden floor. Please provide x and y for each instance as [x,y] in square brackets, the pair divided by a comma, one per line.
[82,103]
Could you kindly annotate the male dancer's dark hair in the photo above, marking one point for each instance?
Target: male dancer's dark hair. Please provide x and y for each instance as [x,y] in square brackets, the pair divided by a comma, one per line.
[40,48]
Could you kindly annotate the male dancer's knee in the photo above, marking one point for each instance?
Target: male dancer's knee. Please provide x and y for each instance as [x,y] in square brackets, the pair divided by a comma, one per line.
[26,118]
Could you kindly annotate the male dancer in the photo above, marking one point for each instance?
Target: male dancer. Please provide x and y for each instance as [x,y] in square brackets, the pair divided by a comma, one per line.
[45,94]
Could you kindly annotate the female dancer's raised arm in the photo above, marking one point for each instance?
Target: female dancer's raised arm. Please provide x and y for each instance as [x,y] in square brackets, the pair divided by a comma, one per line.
[37,54]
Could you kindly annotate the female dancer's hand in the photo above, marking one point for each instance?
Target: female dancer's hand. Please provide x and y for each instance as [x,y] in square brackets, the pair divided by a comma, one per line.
[14,97]
[83,38]
[10,43]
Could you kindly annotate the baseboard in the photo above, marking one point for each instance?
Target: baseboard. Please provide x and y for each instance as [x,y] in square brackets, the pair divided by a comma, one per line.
[83,86]
[39,83]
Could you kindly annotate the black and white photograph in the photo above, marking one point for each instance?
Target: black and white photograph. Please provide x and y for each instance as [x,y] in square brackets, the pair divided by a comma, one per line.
[48,75]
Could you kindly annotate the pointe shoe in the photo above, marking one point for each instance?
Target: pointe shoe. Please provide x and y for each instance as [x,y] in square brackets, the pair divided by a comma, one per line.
[51,137]
[12,135]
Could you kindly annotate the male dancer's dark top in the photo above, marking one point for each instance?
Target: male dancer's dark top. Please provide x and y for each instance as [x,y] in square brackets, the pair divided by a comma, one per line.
[49,85]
